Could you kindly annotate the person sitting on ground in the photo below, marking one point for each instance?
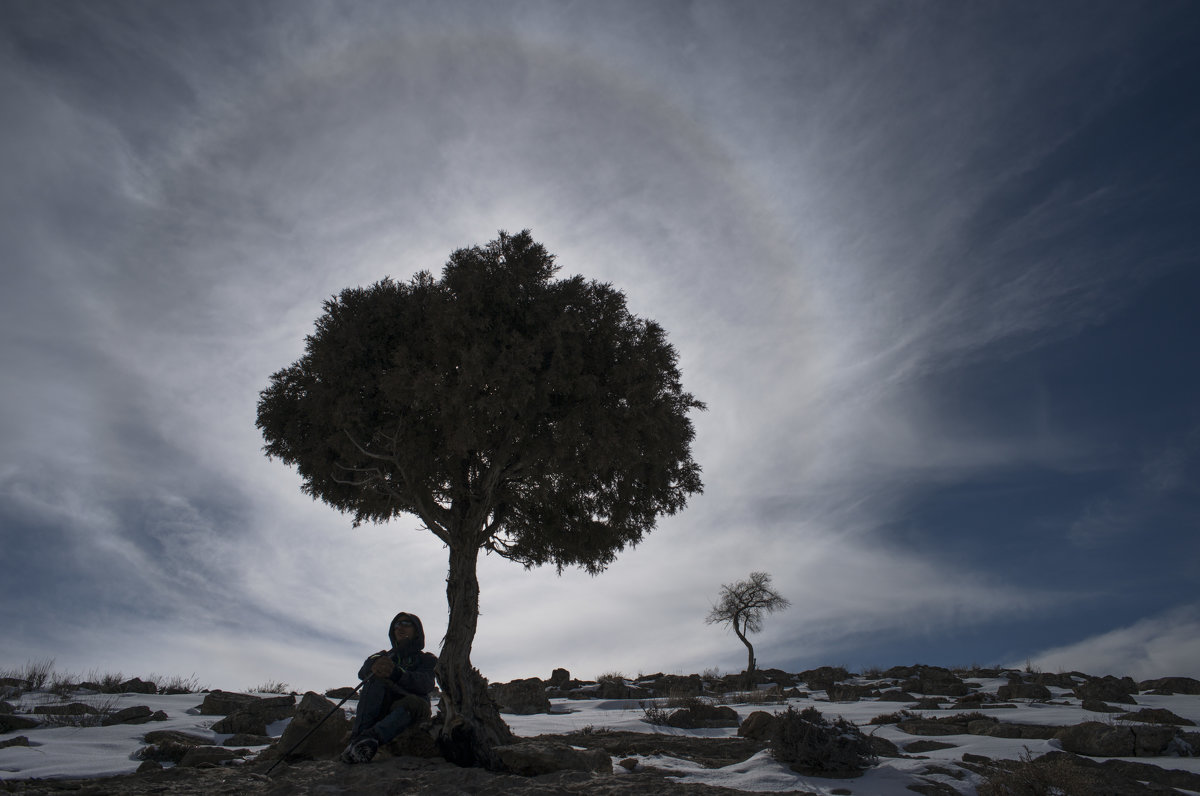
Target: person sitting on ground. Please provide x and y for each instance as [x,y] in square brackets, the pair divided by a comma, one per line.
[397,693]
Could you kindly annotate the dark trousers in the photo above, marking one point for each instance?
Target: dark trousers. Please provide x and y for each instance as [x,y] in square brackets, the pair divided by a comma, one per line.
[384,711]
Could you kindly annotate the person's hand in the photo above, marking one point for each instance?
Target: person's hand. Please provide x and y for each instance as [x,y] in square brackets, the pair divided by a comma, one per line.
[383,667]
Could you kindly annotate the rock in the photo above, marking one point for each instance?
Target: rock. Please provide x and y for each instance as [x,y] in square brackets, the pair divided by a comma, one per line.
[935,680]
[327,742]
[1174,685]
[243,722]
[73,709]
[177,737]
[704,716]
[138,714]
[345,692]
[224,703]
[1153,740]
[1023,691]
[533,758]
[610,689]
[247,739]
[253,717]
[883,747]
[138,686]
[925,727]
[521,697]
[672,685]
[149,765]
[758,726]
[896,695]
[11,723]
[1159,716]
[847,692]
[629,763]
[20,740]
[1097,739]
[1108,689]
[918,747]
[6,708]
[199,755]
[1099,706]
[416,741]
[559,678]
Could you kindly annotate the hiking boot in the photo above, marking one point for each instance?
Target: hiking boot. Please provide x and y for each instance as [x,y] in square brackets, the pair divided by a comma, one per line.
[360,750]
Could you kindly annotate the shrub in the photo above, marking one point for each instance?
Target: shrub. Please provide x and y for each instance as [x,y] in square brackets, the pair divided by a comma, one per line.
[269,687]
[611,677]
[895,718]
[654,714]
[177,684]
[63,684]
[1051,774]
[812,744]
[37,673]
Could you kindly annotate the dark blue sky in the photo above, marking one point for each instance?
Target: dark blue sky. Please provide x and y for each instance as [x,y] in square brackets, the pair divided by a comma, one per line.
[933,268]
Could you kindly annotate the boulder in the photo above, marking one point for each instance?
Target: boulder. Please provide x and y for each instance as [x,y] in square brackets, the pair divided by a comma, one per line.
[758,726]
[1174,685]
[20,740]
[247,739]
[224,703]
[883,747]
[1032,691]
[559,678]
[935,680]
[11,723]
[610,689]
[919,747]
[1100,706]
[215,755]
[137,714]
[1153,740]
[896,695]
[926,727]
[327,742]
[345,692]
[847,692]
[703,716]
[138,686]
[1159,716]
[1108,689]
[533,758]
[175,736]
[253,717]
[1097,739]
[416,741]
[6,708]
[520,697]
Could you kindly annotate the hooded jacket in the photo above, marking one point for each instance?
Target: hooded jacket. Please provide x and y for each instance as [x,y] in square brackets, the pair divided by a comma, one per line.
[414,673]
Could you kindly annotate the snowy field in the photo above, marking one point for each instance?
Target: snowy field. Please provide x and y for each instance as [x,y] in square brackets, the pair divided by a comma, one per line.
[66,752]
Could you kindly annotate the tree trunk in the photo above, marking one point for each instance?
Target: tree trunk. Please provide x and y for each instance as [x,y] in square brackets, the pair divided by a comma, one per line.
[469,724]
[749,646]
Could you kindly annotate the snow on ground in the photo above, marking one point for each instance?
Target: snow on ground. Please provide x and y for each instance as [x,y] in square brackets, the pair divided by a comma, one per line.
[65,752]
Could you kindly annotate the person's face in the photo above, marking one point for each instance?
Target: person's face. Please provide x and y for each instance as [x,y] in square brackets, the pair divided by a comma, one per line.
[403,630]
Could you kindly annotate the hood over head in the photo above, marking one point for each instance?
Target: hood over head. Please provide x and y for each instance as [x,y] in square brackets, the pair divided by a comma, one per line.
[418,639]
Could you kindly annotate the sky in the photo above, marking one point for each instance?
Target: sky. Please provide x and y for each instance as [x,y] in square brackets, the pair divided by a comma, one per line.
[931,266]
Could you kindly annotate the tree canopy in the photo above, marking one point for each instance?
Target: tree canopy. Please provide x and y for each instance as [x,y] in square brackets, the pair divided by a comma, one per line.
[510,411]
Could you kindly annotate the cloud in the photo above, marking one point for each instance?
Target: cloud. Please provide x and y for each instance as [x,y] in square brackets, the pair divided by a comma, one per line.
[1159,646]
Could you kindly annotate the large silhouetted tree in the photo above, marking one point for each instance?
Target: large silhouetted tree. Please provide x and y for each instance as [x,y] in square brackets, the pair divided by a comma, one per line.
[510,411]
[744,604]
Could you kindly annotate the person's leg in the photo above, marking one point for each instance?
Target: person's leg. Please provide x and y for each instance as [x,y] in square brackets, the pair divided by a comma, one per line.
[373,703]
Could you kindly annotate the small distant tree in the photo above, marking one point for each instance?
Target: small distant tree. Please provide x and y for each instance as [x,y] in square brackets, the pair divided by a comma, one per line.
[743,605]
[511,412]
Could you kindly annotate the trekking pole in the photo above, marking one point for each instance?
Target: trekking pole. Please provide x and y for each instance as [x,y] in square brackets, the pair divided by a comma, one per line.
[296,745]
